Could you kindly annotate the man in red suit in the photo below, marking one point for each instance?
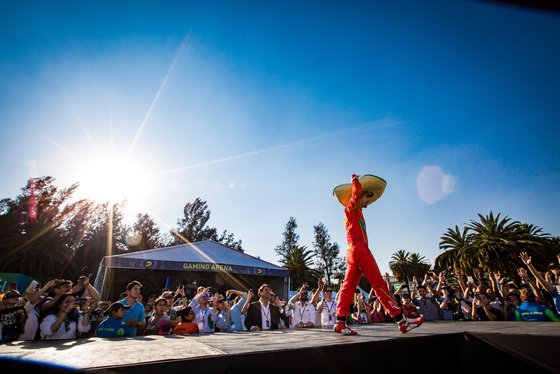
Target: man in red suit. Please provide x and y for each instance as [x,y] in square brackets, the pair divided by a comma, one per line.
[358,256]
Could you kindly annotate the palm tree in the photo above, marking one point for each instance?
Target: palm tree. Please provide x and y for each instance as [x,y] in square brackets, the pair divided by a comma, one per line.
[539,245]
[418,265]
[495,245]
[298,260]
[400,266]
[455,244]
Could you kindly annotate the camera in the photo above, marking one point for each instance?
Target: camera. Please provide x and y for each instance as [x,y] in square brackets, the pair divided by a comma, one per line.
[80,300]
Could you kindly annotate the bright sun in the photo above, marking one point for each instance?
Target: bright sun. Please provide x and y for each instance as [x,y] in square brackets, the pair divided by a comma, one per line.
[112,179]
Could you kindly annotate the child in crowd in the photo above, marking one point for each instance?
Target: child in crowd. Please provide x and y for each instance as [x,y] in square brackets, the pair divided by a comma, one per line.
[113,324]
[186,326]
[12,317]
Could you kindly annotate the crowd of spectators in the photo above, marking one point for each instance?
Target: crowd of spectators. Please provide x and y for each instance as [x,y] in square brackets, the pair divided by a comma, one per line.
[62,310]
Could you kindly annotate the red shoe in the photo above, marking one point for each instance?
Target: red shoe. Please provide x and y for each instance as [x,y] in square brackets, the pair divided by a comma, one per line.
[407,324]
[341,328]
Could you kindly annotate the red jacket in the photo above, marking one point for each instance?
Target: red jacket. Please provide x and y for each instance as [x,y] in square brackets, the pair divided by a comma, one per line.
[353,217]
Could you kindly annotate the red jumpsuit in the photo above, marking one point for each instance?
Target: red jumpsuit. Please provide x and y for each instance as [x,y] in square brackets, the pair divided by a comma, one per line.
[360,260]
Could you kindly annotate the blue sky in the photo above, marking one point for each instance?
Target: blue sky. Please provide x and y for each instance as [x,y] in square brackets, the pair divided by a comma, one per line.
[262,109]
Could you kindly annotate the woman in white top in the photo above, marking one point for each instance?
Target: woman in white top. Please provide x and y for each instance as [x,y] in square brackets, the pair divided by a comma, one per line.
[64,321]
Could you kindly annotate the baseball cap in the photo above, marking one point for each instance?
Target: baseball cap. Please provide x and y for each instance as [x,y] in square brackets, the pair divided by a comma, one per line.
[10,294]
[114,307]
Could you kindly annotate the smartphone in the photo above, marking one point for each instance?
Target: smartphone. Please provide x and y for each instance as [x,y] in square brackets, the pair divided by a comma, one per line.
[33,285]
[469,278]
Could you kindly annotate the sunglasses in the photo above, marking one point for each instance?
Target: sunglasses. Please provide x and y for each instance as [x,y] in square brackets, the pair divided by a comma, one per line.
[328,290]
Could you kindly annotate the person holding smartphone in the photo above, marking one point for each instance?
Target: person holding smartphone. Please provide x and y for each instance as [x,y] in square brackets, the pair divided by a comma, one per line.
[327,307]
[64,321]
[203,312]
[483,311]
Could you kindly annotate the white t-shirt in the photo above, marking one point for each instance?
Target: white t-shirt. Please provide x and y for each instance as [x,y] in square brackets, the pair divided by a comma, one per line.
[201,316]
[66,331]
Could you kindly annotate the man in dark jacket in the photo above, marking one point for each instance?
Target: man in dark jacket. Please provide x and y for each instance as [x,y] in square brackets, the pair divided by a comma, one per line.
[262,314]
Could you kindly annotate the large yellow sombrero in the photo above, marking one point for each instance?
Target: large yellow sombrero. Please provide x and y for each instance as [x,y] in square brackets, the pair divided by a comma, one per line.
[372,187]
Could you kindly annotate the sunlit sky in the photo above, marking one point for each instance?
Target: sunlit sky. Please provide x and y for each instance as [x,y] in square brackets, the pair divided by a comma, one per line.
[262,108]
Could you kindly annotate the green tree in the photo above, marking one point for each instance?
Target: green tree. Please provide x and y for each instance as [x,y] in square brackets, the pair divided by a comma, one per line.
[339,275]
[299,262]
[453,243]
[405,265]
[193,227]
[228,240]
[492,245]
[147,231]
[401,268]
[104,237]
[34,236]
[418,265]
[290,240]
[327,253]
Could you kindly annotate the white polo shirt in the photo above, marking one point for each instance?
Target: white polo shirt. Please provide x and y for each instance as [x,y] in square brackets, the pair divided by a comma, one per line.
[303,314]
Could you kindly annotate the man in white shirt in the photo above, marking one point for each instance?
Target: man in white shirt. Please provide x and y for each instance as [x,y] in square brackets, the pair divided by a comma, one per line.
[327,308]
[303,312]
[202,311]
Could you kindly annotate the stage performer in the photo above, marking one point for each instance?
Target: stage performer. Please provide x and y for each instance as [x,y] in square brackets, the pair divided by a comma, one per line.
[355,196]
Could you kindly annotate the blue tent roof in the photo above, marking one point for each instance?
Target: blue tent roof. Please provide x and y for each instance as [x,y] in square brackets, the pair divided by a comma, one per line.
[200,256]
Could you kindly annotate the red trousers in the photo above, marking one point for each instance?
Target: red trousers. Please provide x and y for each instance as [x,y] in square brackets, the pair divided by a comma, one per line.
[360,260]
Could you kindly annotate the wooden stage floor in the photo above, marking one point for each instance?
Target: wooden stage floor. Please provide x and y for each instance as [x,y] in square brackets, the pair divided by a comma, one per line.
[104,354]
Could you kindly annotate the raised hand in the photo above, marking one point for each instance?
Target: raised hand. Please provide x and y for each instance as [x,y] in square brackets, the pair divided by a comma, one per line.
[525,258]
